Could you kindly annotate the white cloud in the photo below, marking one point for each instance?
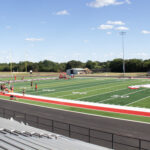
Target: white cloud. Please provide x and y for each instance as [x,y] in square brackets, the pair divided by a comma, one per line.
[109,33]
[103,3]
[145,32]
[115,22]
[128,1]
[34,39]
[105,27]
[113,25]
[122,28]
[62,12]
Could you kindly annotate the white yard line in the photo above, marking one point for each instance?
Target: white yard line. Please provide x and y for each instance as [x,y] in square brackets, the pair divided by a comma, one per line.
[110,82]
[65,88]
[100,94]
[80,88]
[137,101]
[53,84]
[88,91]
[65,83]
[94,90]
[123,95]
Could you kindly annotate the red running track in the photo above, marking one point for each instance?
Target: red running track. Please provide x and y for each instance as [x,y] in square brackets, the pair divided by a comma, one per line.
[108,109]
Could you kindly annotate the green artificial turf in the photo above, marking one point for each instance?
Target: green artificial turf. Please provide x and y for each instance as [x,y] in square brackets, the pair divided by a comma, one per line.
[98,90]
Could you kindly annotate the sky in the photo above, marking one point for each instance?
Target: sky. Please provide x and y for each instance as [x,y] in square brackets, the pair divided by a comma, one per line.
[63,30]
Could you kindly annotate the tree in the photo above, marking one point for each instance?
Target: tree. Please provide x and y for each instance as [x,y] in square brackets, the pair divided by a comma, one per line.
[116,65]
[90,64]
[62,67]
[74,64]
[146,65]
[134,65]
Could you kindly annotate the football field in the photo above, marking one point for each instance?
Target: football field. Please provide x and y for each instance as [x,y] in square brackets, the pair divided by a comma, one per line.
[98,90]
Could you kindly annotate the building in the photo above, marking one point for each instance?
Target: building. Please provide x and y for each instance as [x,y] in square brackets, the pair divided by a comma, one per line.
[77,71]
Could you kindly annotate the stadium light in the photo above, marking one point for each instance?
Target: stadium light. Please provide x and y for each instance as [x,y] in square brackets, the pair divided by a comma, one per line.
[10,62]
[123,65]
[26,63]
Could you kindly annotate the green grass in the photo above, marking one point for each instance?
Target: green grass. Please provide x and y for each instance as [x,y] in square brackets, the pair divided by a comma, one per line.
[99,90]
[145,102]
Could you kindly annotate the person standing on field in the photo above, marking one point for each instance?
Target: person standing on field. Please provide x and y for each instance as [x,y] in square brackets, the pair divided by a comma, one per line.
[12,88]
[36,87]
[15,77]
[23,92]
[31,83]
[1,87]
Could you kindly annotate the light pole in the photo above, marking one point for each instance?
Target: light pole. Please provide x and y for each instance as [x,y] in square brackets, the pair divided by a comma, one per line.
[26,62]
[123,65]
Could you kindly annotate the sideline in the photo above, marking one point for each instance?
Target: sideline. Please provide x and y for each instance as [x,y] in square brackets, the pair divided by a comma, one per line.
[89,105]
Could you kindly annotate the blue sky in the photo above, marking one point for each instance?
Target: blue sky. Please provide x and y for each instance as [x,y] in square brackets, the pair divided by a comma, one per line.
[63,30]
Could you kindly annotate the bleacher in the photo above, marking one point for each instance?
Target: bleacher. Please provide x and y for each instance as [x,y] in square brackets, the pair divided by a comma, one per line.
[18,136]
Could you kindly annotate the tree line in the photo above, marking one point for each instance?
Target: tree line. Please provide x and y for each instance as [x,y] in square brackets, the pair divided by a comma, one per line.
[131,65]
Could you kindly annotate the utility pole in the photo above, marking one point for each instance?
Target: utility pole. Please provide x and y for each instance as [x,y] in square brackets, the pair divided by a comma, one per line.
[10,62]
[123,65]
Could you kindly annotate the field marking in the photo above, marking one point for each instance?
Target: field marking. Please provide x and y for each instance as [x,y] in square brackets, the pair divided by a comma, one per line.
[103,116]
[76,85]
[97,90]
[137,101]
[124,95]
[80,88]
[55,86]
[79,93]
[112,83]
[101,94]
[54,83]
[109,82]
[90,91]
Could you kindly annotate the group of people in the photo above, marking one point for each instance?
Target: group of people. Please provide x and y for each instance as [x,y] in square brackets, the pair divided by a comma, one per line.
[4,88]
[31,84]
[9,88]
[35,85]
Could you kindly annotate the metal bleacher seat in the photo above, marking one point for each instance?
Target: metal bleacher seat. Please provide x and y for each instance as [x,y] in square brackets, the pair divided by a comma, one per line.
[16,136]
